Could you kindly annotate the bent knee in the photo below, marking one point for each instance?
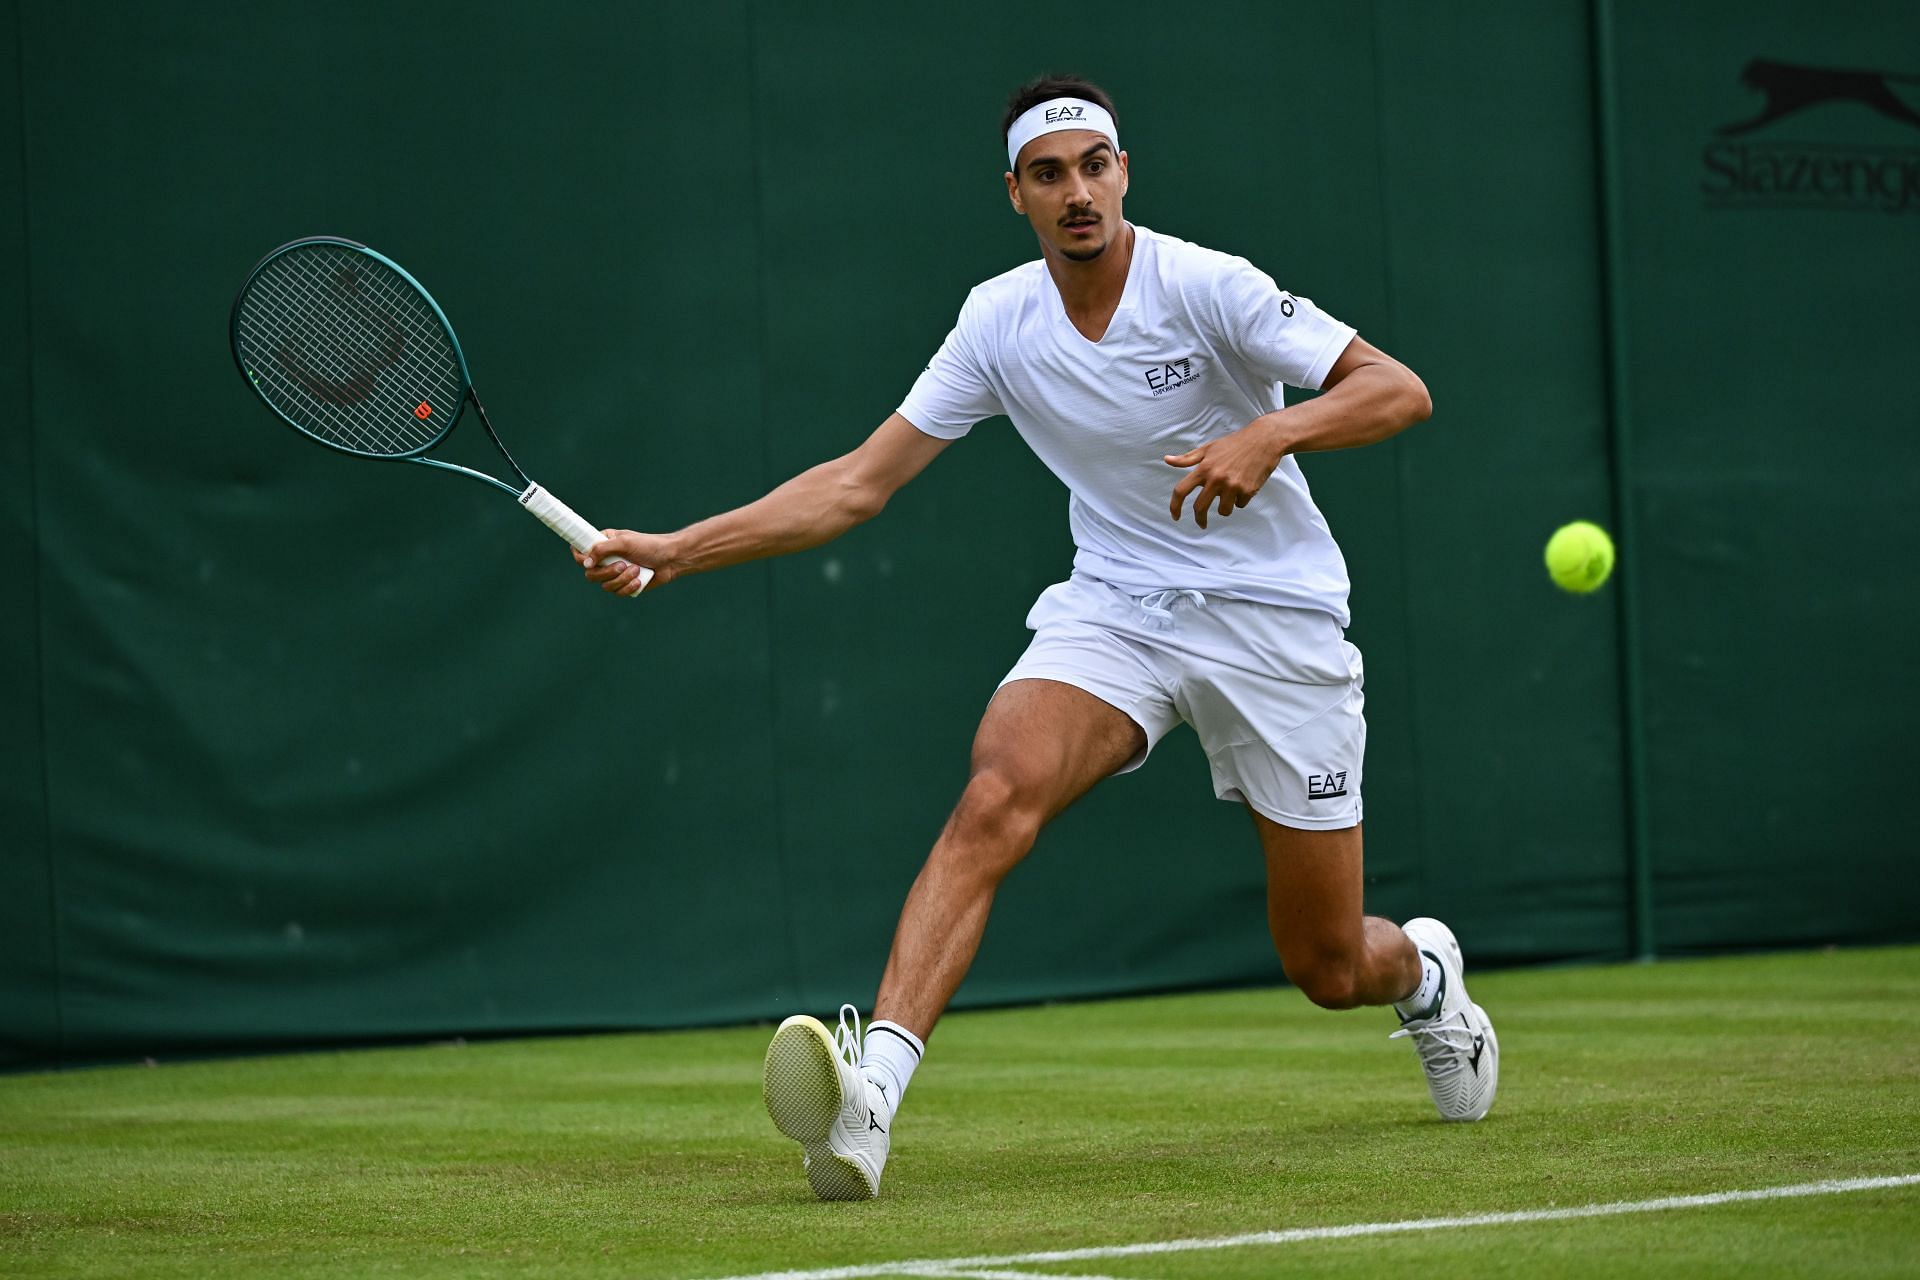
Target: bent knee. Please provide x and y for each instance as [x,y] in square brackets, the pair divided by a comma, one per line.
[997,818]
[1330,981]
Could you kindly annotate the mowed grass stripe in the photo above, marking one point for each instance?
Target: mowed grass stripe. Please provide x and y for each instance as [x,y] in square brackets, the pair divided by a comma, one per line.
[981,1266]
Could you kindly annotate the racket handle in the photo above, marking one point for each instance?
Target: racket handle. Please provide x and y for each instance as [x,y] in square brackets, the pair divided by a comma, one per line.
[566,522]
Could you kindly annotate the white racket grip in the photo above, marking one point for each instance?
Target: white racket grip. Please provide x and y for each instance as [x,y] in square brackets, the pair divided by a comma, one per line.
[566,522]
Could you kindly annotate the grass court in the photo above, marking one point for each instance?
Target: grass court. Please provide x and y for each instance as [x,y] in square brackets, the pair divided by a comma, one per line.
[1070,1128]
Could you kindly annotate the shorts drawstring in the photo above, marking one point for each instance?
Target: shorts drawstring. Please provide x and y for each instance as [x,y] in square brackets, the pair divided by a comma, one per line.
[1159,605]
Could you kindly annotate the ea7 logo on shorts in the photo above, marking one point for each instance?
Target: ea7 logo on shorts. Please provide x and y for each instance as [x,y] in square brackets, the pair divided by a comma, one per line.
[1326,786]
[1171,376]
[1056,114]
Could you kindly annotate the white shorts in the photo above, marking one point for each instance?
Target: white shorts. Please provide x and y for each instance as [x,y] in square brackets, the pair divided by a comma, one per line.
[1273,692]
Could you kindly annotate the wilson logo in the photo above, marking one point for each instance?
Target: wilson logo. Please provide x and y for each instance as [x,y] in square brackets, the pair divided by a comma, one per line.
[423,411]
[1170,376]
[1326,786]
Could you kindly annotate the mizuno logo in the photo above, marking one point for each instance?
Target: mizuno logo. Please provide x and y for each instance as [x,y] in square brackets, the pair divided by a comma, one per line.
[1479,1046]
[873,1119]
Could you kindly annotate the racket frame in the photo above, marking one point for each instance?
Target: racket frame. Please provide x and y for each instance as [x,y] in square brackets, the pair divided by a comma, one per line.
[467,393]
[554,514]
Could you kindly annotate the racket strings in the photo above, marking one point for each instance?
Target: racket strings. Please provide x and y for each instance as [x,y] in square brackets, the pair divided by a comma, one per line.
[374,334]
[350,351]
[301,329]
[326,374]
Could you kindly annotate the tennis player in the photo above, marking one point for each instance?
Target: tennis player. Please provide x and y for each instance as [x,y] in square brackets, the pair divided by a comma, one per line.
[1147,373]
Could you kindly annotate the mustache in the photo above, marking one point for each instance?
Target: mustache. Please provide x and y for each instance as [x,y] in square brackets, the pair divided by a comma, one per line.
[1079,215]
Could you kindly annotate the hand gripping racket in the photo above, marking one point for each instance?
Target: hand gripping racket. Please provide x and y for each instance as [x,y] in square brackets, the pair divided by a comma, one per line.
[350,350]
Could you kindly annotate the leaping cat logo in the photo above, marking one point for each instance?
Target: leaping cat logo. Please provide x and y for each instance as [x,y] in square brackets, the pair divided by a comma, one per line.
[1790,88]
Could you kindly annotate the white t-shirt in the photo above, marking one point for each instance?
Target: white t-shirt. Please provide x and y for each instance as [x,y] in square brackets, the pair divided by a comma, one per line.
[1198,348]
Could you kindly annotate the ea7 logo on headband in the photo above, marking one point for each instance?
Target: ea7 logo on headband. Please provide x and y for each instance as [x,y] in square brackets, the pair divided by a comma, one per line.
[1056,114]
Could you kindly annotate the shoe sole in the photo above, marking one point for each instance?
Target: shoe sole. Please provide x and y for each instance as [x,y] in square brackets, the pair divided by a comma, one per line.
[801,1083]
[835,1177]
[801,1086]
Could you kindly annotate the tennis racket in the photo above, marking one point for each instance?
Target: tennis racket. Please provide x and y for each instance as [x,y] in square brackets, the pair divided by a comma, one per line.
[351,351]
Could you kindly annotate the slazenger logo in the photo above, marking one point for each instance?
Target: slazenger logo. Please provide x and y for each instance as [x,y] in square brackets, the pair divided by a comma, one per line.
[1790,88]
[1779,173]
[1170,375]
[1056,114]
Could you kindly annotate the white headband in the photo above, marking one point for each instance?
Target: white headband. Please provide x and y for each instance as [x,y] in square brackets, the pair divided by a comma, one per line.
[1054,115]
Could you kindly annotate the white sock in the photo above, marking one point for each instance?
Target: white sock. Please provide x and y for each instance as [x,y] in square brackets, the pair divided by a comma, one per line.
[1425,996]
[888,1058]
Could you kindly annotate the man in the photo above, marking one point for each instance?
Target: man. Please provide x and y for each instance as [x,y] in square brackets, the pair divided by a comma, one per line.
[1146,373]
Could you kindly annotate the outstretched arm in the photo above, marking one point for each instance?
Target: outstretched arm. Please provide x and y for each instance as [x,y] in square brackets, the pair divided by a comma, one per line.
[816,506]
[1368,397]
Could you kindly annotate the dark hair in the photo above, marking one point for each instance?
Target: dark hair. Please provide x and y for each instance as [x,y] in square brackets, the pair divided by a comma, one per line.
[1044,89]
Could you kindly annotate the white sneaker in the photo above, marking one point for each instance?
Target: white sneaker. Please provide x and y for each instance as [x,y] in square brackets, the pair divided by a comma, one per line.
[1456,1044]
[819,1097]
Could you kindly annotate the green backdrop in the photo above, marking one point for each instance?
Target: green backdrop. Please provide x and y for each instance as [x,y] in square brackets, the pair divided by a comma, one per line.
[301,749]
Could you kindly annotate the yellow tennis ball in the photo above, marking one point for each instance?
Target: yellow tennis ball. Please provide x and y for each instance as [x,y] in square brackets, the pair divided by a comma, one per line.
[1579,556]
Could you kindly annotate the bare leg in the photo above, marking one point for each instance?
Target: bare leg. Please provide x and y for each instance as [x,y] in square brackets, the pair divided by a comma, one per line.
[1338,957]
[1040,746]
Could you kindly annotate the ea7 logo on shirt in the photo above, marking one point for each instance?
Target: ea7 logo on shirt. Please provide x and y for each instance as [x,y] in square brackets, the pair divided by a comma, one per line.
[1170,376]
[1056,114]
[1326,786]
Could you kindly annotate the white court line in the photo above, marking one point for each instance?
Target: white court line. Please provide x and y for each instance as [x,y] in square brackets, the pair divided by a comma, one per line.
[950,1266]
[1007,1275]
